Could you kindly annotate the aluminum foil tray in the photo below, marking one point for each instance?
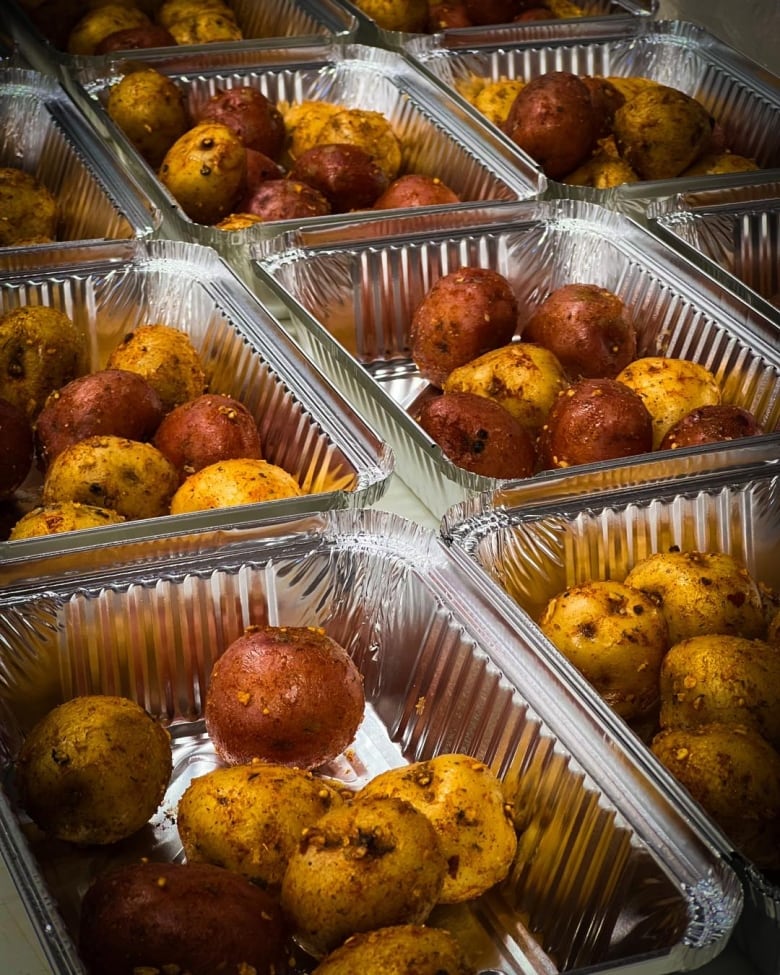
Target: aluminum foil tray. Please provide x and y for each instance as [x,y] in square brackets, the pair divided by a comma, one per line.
[305,425]
[533,546]
[351,301]
[43,133]
[610,875]
[742,97]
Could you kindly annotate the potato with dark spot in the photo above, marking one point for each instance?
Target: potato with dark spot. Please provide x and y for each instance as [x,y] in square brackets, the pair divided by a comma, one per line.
[16,447]
[285,199]
[62,516]
[397,950]
[248,112]
[149,108]
[415,190]
[711,424]
[346,175]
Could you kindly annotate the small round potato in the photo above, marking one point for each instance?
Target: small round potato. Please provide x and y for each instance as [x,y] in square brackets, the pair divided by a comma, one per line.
[236,481]
[496,99]
[62,516]
[29,211]
[94,769]
[367,864]
[347,176]
[248,112]
[415,190]
[132,478]
[397,950]
[711,424]
[700,593]
[370,131]
[616,637]
[670,388]
[304,121]
[98,23]
[149,108]
[465,802]
[169,11]
[284,199]
[206,27]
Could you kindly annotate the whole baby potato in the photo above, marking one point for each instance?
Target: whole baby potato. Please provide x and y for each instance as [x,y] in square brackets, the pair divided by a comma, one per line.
[304,121]
[149,108]
[734,774]
[94,769]
[285,694]
[701,593]
[205,170]
[250,818]
[135,39]
[260,168]
[606,99]
[109,401]
[370,131]
[398,15]
[464,800]
[523,377]
[415,190]
[62,516]
[587,327]
[16,447]
[496,98]
[29,211]
[711,424]
[553,120]
[248,112]
[346,175]
[364,865]
[661,131]
[284,199]
[206,27]
[102,21]
[131,478]
[466,313]
[616,637]
[670,388]
[169,11]
[235,481]
[397,950]
[594,420]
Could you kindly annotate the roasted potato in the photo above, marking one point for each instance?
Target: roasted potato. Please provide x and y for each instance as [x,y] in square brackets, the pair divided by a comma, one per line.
[465,313]
[347,176]
[496,99]
[102,21]
[606,99]
[245,110]
[415,190]
[403,15]
[62,516]
[670,388]
[135,39]
[149,108]
[206,27]
[369,130]
[304,121]
[603,170]
[701,593]
[284,199]
[130,477]
[16,447]
[465,801]
[367,864]
[616,637]
[711,424]
[29,211]
[94,769]
[397,950]
[236,481]
[169,11]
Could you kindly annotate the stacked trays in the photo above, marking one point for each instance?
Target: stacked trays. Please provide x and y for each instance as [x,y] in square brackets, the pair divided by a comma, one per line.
[610,874]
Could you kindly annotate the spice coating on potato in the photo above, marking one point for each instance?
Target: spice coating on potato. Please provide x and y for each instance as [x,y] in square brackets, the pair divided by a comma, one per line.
[29,211]
[62,516]
[94,769]
[734,774]
[286,694]
[304,121]
[397,950]
[466,313]
[206,27]
[496,98]
[594,420]
[149,108]
[711,424]
[109,401]
[368,129]
[245,110]
[16,447]
[285,199]
[365,865]
[465,802]
[236,481]
[700,593]
[479,435]
[588,328]
[250,818]
[346,175]
[415,190]
[195,918]
[101,22]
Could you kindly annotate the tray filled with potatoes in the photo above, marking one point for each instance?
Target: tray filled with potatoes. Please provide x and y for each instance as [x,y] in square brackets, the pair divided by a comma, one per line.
[665,600]
[323,744]
[621,116]
[549,336]
[144,390]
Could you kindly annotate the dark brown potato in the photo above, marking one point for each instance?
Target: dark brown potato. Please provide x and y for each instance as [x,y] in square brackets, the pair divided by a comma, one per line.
[415,190]
[588,328]
[286,694]
[465,313]
[711,424]
[345,174]
[16,447]
[554,121]
[252,116]
[110,401]
[606,101]
[285,199]
[593,420]
[135,38]
[205,430]
[196,918]
[479,435]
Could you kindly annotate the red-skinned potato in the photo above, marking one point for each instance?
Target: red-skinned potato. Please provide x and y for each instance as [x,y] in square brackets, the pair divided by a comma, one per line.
[260,168]
[415,190]
[467,312]
[16,447]
[606,101]
[553,120]
[588,328]
[285,199]
[711,424]
[135,38]
[254,118]
[345,174]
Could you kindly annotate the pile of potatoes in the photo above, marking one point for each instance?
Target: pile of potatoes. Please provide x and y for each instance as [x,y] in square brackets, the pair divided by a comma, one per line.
[239,159]
[140,438]
[430,16]
[589,130]
[686,648]
[570,390]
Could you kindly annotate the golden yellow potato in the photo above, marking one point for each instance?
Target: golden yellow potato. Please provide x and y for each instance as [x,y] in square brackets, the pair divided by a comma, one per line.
[304,121]
[734,774]
[397,950]
[170,11]
[41,350]
[465,801]
[166,358]
[94,769]
[495,99]
[713,163]
[700,593]
[722,678]
[404,15]
[62,516]
[208,27]
[616,637]
[370,131]
[233,482]
[367,864]
[661,131]
[523,377]
[602,171]
[98,23]
[149,108]
[670,388]
[250,818]
[132,478]
[29,211]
